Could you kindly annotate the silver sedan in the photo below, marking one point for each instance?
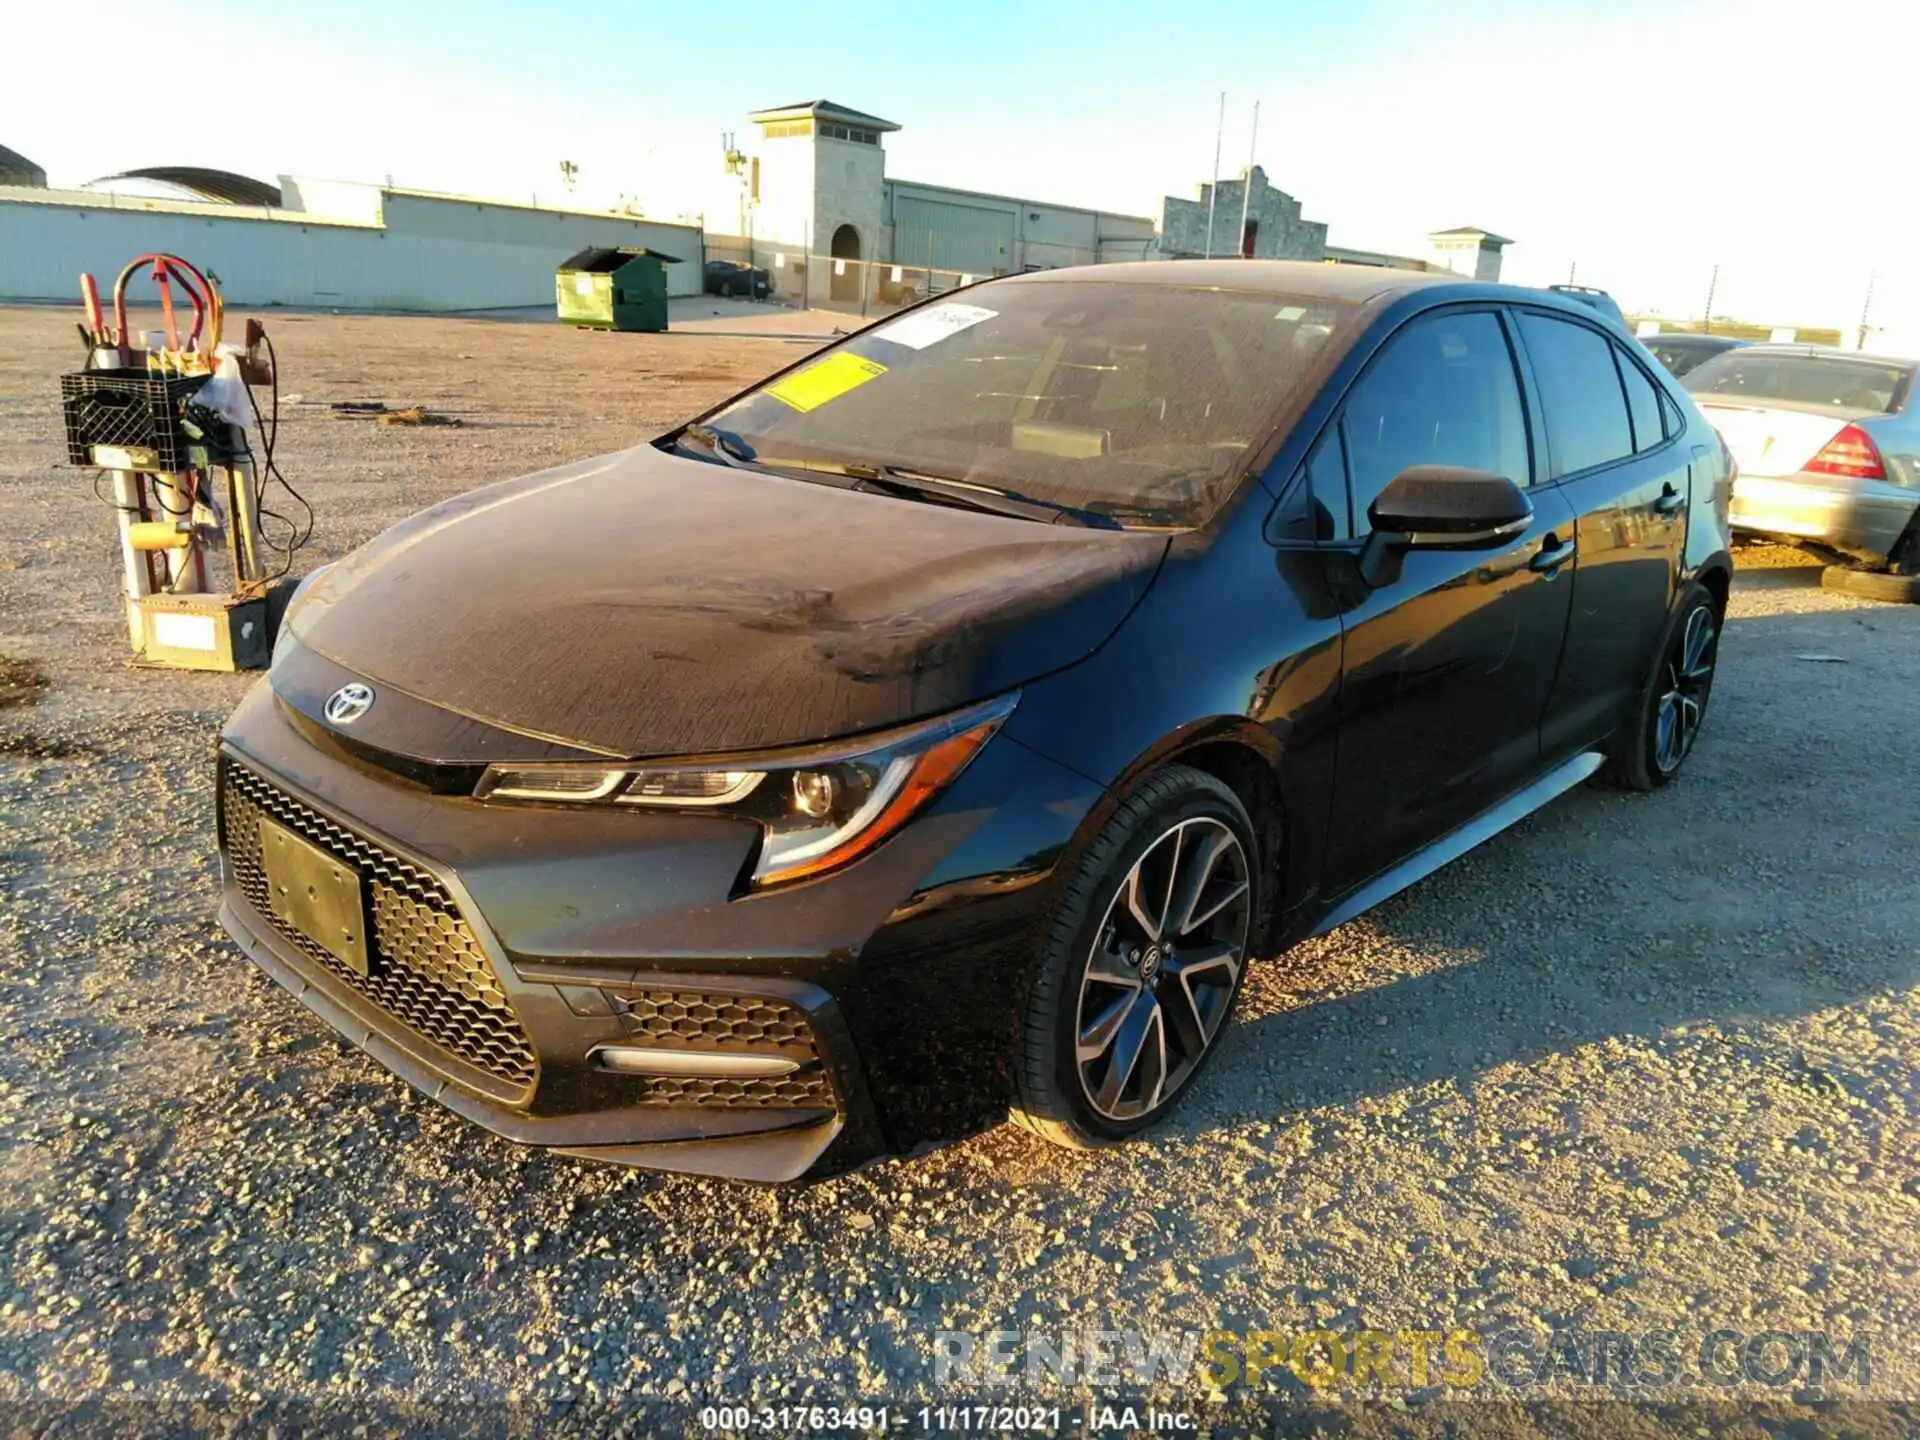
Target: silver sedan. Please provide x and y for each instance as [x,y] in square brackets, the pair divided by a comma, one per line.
[1828,445]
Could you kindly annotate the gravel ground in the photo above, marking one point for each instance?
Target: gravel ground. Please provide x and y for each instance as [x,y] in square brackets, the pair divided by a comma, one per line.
[1640,1063]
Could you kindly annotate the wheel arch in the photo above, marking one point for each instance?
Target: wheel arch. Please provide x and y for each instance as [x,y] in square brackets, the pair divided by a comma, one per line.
[1246,758]
[1716,574]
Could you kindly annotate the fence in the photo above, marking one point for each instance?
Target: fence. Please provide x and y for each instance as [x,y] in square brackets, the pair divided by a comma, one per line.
[828,282]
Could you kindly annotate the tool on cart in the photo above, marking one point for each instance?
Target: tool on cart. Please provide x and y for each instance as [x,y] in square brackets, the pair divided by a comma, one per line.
[168,420]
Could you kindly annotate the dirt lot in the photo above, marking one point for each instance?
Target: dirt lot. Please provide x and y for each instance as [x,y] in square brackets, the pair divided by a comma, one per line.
[1642,1063]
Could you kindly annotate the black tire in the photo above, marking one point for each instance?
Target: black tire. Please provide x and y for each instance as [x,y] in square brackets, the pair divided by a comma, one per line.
[1052,1094]
[1872,584]
[1640,759]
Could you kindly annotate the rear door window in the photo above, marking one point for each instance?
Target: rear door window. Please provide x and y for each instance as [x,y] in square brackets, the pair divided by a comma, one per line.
[1643,404]
[1442,392]
[1586,409]
[1670,413]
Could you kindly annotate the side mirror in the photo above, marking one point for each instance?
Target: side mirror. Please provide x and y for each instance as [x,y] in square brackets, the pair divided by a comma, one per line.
[1440,507]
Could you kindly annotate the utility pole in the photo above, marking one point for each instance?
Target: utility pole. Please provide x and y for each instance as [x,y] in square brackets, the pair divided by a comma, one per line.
[1246,185]
[1573,269]
[1712,285]
[1213,185]
[1865,309]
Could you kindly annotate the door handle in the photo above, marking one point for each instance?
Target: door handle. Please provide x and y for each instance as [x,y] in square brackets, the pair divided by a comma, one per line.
[1551,555]
[1670,499]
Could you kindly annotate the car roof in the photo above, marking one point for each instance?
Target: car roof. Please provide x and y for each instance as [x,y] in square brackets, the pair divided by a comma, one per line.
[1312,278]
[1826,352]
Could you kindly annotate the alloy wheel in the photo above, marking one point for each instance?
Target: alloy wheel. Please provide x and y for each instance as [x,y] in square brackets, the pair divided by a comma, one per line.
[1683,703]
[1163,969]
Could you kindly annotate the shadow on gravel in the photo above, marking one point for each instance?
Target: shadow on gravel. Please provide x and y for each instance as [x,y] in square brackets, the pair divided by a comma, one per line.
[1784,577]
[1769,883]
[20,683]
[1517,1008]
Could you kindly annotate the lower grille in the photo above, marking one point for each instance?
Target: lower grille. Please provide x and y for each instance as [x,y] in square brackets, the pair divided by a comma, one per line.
[789,1092]
[732,1025]
[429,972]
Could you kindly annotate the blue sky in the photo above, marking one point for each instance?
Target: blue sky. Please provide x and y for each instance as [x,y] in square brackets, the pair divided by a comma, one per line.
[1643,142]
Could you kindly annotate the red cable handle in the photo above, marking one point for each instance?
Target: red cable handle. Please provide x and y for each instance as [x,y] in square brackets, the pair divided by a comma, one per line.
[162,265]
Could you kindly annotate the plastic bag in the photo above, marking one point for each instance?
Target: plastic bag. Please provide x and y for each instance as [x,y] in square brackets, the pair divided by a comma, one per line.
[226,393]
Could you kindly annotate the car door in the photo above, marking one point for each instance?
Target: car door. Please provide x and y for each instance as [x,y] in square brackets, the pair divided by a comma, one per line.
[1618,459]
[1447,668]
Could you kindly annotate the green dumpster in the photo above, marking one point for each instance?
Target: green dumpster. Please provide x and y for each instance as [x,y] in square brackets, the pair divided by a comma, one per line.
[614,289]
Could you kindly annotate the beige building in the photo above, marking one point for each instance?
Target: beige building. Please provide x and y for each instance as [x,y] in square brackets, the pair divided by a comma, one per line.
[816,208]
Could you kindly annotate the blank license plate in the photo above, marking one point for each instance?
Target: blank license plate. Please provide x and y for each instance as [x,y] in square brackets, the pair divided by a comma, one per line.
[314,893]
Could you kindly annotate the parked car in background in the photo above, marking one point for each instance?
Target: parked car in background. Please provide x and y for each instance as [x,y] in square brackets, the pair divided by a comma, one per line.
[1593,299]
[940,728]
[731,277]
[1828,448]
[1681,352]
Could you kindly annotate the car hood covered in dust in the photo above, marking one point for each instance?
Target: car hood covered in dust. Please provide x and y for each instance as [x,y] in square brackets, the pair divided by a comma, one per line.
[642,604]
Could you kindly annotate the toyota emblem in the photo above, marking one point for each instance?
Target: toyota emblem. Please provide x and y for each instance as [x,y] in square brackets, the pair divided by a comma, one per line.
[349,703]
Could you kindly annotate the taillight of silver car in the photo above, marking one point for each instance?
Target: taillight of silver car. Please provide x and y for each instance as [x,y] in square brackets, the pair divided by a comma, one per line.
[1852,454]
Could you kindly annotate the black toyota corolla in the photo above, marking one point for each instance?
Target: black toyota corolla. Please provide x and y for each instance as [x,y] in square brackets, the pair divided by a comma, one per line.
[939,729]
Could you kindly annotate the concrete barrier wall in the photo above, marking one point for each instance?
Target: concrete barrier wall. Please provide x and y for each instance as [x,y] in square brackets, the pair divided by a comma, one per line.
[426,252]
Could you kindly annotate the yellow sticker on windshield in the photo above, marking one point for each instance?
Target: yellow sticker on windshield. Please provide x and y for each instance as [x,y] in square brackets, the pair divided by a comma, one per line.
[825,380]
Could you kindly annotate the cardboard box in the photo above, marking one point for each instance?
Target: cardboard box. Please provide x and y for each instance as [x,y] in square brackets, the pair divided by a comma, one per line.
[205,632]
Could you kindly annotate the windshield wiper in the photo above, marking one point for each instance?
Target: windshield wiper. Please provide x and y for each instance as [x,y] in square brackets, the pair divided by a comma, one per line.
[991,499]
[726,445]
[730,449]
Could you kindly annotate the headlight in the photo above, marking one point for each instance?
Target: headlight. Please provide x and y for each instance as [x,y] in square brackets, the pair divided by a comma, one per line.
[817,809]
[283,637]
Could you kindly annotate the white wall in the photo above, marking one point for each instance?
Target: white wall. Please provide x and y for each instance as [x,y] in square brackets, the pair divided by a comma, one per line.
[1039,234]
[1468,257]
[332,199]
[431,253]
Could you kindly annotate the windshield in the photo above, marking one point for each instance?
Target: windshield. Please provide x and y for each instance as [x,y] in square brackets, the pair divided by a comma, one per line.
[1835,381]
[1132,401]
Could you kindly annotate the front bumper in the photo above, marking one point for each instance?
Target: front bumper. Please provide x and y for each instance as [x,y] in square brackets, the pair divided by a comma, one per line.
[509,946]
[658,1139]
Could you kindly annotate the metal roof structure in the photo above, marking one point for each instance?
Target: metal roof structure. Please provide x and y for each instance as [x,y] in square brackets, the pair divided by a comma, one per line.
[1464,231]
[821,110]
[220,185]
[17,169]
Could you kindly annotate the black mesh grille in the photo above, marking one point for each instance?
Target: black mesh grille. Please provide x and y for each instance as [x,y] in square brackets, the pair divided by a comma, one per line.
[789,1092]
[429,971]
[729,1024]
[686,1020]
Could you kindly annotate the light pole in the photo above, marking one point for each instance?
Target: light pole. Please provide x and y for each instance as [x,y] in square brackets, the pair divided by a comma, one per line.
[1213,185]
[1246,185]
[1712,285]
